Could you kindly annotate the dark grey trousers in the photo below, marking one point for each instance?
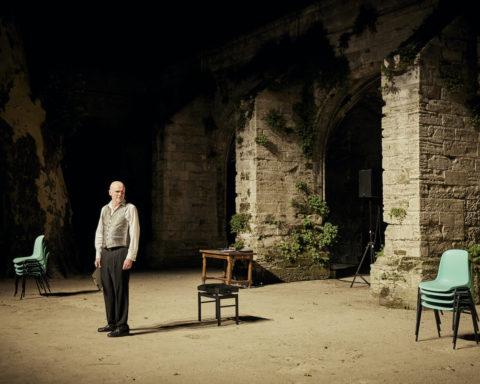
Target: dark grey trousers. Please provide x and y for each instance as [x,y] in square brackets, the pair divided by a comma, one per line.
[115,285]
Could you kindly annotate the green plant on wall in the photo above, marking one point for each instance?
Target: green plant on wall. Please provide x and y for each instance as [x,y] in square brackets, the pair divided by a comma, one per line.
[396,64]
[238,245]
[304,116]
[312,237]
[398,214]
[244,112]
[239,223]
[380,252]
[276,121]
[474,254]
[261,139]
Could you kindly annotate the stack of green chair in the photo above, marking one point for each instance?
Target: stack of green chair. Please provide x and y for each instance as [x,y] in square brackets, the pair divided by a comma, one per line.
[450,291]
[34,266]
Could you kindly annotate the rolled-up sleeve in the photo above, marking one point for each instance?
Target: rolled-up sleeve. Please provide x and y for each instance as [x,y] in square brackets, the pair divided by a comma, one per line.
[131,215]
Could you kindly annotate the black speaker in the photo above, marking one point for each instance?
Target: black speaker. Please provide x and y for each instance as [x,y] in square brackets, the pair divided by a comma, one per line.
[367,183]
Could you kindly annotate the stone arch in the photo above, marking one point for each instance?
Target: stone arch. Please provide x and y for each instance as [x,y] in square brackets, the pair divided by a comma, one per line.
[351,142]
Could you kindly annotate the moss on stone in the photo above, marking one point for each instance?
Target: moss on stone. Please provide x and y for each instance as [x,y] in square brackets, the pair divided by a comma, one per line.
[305,112]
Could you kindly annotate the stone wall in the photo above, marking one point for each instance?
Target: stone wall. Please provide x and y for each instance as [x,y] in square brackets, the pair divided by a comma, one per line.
[185,190]
[401,185]
[275,159]
[266,173]
[428,131]
[35,198]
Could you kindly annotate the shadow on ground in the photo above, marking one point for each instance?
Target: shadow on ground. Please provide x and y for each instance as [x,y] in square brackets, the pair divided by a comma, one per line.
[71,293]
[193,324]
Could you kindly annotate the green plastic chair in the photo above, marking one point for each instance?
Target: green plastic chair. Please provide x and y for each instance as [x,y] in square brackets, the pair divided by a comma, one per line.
[450,291]
[453,272]
[34,266]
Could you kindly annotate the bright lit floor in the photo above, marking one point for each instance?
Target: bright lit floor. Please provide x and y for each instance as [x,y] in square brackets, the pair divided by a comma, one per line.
[305,332]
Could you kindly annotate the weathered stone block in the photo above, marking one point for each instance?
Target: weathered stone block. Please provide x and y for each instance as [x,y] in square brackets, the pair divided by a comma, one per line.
[456,178]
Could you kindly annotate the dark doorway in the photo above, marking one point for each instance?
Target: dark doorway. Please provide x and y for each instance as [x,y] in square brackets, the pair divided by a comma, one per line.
[112,145]
[355,145]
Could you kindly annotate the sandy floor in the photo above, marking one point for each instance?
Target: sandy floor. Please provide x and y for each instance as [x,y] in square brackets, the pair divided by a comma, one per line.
[306,332]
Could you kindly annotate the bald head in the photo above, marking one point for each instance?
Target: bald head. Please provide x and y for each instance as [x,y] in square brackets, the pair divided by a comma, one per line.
[117,192]
[117,184]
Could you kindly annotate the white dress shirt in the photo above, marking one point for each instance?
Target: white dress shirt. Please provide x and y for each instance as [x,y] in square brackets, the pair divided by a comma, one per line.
[131,216]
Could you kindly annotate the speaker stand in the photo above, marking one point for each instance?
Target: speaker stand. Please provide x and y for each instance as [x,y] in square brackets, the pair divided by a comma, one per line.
[369,248]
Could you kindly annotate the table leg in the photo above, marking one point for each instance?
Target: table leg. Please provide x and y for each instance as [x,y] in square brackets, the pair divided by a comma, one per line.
[229,270]
[204,268]
[250,266]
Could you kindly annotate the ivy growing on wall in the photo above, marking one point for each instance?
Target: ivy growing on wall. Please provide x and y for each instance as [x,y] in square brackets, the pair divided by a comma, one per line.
[277,122]
[308,60]
[398,214]
[313,236]
[261,139]
[240,223]
[396,64]
[245,112]
[403,58]
[305,112]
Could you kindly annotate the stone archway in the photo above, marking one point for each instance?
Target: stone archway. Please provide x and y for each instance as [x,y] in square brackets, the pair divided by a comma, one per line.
[354,144]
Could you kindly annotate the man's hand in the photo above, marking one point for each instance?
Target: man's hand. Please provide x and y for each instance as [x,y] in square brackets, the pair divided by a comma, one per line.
[127,264]
[97,263]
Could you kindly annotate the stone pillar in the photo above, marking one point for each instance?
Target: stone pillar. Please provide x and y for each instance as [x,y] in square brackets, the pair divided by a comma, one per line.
[430,152]
[398,270]
[270,161]
[184,214]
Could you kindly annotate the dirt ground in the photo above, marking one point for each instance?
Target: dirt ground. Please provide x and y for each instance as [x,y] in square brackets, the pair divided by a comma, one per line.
[305,332]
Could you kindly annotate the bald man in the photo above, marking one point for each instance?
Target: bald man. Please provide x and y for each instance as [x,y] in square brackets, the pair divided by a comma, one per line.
[116,244]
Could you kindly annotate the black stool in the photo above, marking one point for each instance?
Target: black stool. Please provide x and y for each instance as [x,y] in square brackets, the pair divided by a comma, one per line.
[217,292]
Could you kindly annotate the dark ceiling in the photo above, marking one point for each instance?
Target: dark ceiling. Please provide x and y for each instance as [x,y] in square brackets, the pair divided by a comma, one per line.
[132,36]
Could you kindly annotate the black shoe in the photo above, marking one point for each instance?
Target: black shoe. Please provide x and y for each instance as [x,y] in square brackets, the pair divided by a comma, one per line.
[119,331]
[107,328]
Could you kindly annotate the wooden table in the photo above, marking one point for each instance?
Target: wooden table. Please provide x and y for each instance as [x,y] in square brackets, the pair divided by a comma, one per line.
[230,256]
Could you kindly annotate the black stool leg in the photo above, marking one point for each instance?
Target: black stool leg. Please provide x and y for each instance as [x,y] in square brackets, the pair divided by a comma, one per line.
[456,307]
[22,295]
[457,322]
[419,315]
[236,309]
[17,278]
[437,320]
[38,286]
[42,284]
[217,309]
[199,307]
[473,313]
[473,306]
[475,325]
[45,278]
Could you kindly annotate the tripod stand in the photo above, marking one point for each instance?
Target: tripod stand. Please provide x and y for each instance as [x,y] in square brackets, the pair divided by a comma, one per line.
[370,247]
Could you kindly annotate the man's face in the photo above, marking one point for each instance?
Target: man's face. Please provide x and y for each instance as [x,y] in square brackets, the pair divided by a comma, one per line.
[117,192]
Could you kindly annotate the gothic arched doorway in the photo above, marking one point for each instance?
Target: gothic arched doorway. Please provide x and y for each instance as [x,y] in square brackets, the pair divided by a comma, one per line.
[354,145]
